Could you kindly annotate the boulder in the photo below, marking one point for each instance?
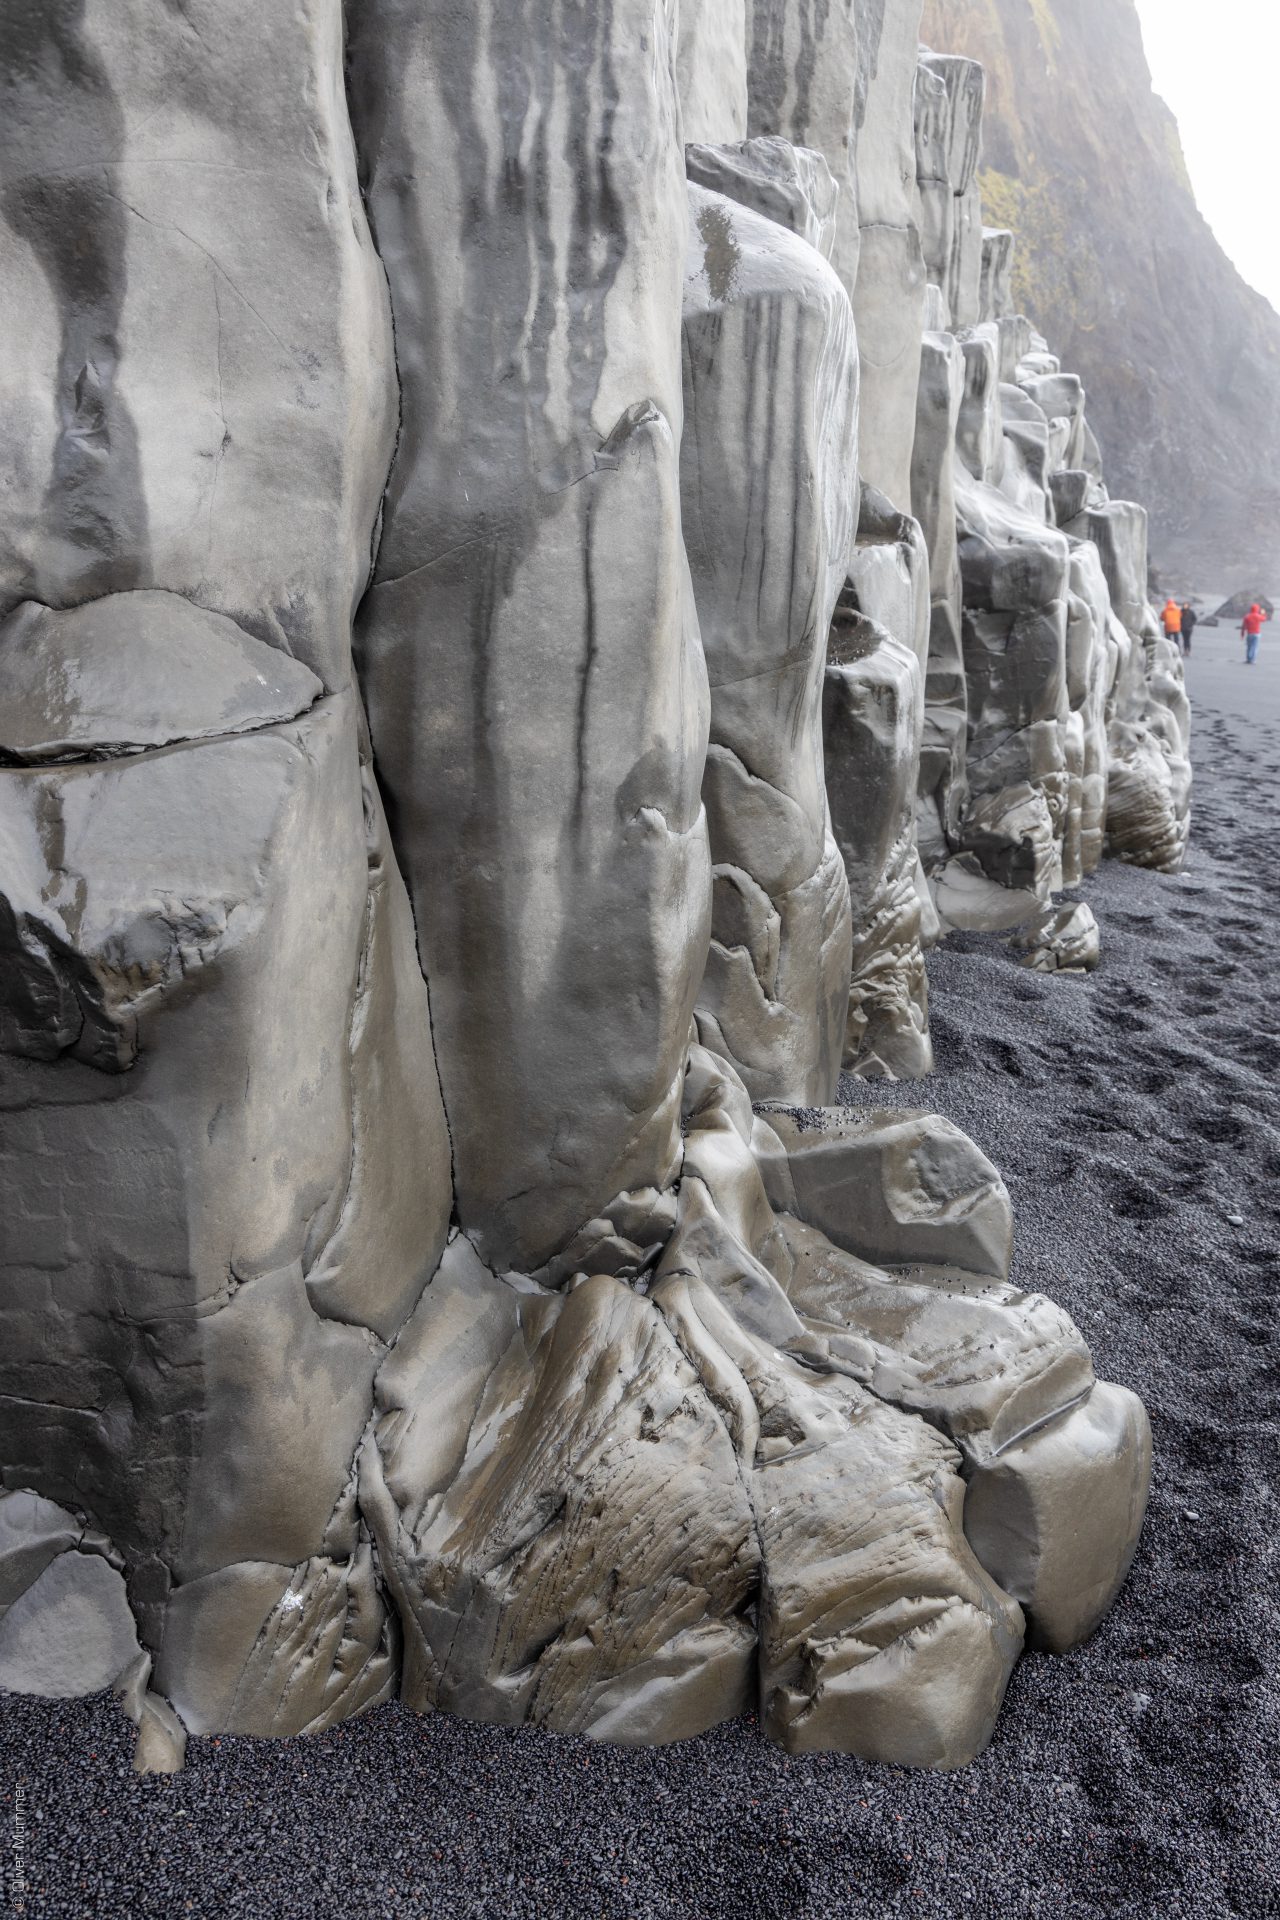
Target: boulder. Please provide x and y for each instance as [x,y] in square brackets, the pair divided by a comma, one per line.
[1061,939]
[791,186]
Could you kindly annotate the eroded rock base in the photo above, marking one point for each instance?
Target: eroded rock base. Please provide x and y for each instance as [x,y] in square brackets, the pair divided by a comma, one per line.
[824,1462]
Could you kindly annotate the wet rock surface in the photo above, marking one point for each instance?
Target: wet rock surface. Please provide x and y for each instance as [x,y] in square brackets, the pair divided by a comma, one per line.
[305,979]
[1136,1775]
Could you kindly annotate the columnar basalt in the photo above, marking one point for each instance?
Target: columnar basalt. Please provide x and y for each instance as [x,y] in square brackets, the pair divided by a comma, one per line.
[770,437]
[1075,727]
[472,719]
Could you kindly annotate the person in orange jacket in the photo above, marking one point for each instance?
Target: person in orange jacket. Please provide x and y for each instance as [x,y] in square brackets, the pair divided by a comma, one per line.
[1250,627]
[1172,618]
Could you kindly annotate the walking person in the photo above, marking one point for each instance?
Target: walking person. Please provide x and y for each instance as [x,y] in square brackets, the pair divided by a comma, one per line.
[1190,621]
[1250,627]
[1172,620]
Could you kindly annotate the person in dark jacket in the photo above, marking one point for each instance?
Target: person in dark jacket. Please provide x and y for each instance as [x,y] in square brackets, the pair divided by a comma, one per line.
[1190,621]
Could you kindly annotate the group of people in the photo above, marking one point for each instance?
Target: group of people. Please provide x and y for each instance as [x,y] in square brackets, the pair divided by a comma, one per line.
[1180,621]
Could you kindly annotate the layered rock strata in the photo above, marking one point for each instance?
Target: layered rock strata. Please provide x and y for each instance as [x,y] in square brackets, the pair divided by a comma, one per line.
[399,1294]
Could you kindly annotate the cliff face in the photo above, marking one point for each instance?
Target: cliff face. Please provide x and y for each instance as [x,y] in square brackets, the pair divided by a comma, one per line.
[1180,358]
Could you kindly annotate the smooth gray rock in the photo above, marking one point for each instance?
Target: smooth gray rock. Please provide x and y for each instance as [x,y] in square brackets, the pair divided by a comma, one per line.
[559,1512]
[933,492]
[889,294]
[33,1532]
[1149,779]
[1055,1516]
[791,186]
[802,83]
[950,94]
[888,577]
[260,1648]
[1057,1464]
[184,1060]
[70,1632]
[880,1635]
[1095,646]
[967,900]
[394,1296]
[995,300]
[770,386]
[872,710]
[1016,575]
[980,429]
[711,69]
[161,1745]
[1061,939]
[898,1189]
[134,671]
[528,651]
[182,357]
[1061,396]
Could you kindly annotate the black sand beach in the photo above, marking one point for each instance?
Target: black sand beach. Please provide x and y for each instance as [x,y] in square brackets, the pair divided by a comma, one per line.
[1136,1118]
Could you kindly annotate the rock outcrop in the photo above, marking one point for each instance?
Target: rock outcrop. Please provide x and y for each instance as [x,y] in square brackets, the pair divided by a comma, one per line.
[1180,358]
[473,719]
[1054,713]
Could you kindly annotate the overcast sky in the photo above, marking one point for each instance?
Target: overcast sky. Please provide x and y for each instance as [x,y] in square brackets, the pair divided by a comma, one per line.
[1214,61]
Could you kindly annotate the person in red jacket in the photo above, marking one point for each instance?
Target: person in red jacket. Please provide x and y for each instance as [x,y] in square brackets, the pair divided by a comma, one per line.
[1250,627]
[1171,619]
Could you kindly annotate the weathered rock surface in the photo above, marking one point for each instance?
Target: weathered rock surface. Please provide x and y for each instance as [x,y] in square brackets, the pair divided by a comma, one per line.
[888,296]
[770,386]
[528,651]
[559,1512]
[1041,677]
[65,1624]
[1057,1463]
[1083,160]
[791,186]
[180,355]
[802,83]
[871,725]
[711,69]
[396,1295]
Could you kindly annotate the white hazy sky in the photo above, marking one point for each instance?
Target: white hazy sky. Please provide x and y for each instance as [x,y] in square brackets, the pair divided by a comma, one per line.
[1214,62]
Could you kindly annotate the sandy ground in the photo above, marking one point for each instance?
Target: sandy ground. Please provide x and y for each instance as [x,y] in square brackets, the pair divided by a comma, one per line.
[1219,681]
[1136,1116]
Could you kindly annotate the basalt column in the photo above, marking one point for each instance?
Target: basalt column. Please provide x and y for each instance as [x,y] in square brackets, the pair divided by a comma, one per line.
[769,446]
[224,1172]
[528,651]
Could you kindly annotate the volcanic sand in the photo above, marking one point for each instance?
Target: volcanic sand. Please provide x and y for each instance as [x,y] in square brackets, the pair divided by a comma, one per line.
[1136,1117]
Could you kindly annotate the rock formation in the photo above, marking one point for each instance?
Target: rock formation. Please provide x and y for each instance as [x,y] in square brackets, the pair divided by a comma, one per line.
[1180,358]
[1054,711]
[474,718]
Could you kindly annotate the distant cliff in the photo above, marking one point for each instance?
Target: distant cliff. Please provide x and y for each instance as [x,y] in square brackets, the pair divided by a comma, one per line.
[1180,358]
